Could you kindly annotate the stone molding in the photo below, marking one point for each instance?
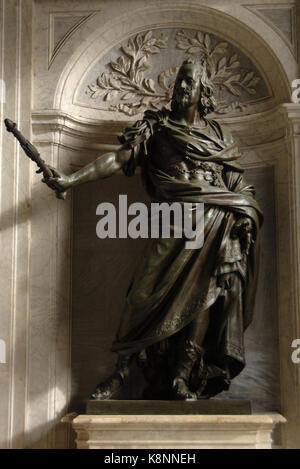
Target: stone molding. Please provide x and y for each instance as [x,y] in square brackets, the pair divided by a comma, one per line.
[175,431]
[291,116]
[260,127]
[56,43]
[102,32]
[255,133]
[258,9]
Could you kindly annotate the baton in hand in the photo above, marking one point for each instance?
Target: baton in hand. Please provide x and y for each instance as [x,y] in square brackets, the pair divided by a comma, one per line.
[34,155]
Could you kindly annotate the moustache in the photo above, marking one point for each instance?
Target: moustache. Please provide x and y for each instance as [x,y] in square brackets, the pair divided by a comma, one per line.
[183,93]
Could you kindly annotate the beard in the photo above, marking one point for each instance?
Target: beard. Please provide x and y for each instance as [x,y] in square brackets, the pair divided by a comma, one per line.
[183,98]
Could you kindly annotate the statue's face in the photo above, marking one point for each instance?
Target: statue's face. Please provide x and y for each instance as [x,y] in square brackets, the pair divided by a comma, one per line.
[187,86]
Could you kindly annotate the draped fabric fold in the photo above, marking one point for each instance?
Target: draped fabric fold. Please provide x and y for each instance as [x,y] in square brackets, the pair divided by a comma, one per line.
[172,284]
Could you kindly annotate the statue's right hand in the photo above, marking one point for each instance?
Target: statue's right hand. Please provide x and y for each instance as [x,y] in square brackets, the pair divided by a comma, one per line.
[58,180]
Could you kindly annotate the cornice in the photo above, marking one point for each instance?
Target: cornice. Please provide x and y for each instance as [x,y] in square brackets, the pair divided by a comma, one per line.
[290,112]
[54,126]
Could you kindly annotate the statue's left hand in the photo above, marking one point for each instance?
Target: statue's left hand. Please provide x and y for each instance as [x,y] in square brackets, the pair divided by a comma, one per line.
[243,230]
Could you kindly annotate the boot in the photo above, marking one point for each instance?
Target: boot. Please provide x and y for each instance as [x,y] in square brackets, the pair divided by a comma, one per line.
[109,388]
[188,356]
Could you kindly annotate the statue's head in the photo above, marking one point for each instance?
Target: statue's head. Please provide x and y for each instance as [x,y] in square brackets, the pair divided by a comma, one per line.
[192,86]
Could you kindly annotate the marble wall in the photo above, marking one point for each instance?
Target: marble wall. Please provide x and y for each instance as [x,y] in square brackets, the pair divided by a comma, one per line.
[48,51]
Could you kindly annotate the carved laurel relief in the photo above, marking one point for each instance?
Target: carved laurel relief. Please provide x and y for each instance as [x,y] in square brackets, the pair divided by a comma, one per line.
[130,85]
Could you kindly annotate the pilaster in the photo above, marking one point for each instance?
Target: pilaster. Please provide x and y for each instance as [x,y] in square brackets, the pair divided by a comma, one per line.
[15,206]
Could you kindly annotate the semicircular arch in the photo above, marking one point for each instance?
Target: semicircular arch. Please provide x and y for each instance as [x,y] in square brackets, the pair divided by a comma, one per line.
[101,44]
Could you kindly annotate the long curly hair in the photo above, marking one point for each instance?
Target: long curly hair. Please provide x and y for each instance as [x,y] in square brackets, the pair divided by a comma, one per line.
[207,102]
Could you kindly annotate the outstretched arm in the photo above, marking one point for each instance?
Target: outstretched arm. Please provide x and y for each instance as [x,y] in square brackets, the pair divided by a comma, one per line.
[104,166]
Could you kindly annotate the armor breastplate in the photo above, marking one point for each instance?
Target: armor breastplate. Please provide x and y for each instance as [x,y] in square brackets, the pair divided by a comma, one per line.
[209,172]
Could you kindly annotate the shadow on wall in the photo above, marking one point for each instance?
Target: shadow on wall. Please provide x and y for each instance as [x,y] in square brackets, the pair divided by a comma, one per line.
[44,435]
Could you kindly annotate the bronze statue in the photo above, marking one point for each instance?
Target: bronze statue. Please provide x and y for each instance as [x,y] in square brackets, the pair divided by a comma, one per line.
[186,309]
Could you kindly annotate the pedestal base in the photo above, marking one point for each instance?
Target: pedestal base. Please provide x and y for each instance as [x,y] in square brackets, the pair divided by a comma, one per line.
[175,431]
[151,407]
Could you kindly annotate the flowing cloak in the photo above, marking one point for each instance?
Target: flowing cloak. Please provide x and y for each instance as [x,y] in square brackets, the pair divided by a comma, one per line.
[174,285]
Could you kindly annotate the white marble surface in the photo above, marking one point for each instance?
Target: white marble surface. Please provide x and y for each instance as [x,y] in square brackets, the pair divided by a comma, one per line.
[15,219]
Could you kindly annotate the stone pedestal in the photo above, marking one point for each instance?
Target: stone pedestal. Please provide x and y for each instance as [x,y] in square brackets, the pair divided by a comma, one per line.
[175,431]
[164,407]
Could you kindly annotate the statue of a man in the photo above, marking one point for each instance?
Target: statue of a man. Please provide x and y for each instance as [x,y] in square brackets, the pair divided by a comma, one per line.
[186,309]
